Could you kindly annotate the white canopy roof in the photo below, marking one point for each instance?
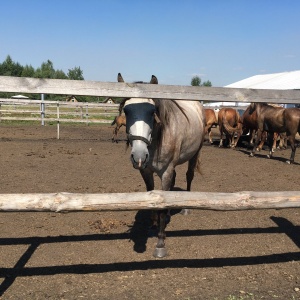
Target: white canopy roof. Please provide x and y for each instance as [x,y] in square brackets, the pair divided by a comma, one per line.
[275,81]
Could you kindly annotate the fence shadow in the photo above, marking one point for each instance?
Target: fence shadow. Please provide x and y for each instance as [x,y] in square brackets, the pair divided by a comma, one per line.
[19,269]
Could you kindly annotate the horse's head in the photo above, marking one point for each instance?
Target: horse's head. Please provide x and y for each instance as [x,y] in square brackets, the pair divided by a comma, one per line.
[139,124]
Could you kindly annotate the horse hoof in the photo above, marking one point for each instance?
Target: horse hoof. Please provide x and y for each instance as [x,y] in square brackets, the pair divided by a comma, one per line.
[185,212]
[288,162]
[268,156]
[160,252]
[251,155]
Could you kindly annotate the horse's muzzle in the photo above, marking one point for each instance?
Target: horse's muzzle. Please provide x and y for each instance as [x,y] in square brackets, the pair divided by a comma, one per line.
[138,163]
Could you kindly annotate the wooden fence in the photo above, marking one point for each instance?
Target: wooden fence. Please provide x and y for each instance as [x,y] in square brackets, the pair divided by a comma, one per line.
[154,199]
[56,111]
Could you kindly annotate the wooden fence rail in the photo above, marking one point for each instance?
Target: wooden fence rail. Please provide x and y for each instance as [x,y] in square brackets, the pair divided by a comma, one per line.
[154,199]
[109,89]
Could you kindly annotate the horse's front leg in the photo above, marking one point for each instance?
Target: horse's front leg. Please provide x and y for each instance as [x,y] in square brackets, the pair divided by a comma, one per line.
[167,182]
[148,178]
[252,136]
[275,138]
[258,138]
[160,249]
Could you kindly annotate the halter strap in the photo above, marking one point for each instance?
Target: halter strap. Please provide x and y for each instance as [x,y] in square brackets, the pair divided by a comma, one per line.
[132,138]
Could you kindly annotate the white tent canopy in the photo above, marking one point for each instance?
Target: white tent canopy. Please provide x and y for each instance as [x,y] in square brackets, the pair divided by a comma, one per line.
[275,81]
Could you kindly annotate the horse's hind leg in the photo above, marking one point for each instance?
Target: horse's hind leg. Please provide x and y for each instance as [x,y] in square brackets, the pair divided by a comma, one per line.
[293,146]
[210,136]
[189,178]
[115,134]
[270,143]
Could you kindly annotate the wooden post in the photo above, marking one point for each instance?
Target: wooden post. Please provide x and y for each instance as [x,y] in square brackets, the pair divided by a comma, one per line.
[87,115]
[57,106]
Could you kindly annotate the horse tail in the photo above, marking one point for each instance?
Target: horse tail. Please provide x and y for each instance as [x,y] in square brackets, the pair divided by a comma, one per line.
[228,127]
[114,121]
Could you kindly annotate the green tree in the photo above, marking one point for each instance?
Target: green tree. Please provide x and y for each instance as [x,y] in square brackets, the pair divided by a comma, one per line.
[207,83]
[10,68]
[60,74]
[196,81]
[28,71]
[46,70]
[75,74]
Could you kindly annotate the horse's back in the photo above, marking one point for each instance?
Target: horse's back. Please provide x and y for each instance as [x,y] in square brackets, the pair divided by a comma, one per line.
[184,136]
[193,134]
[195,115]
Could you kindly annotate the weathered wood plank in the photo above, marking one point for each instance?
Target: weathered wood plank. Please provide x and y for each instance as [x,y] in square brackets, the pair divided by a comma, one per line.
[148,200]
[109,89]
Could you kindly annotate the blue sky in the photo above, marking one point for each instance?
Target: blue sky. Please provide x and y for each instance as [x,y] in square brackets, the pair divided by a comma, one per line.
[223,41]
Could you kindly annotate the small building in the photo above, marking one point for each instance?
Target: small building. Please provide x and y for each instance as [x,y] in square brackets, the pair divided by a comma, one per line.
[71,99]
[109,100]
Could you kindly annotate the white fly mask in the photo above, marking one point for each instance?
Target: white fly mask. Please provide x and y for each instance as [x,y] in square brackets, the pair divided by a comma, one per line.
[139,124]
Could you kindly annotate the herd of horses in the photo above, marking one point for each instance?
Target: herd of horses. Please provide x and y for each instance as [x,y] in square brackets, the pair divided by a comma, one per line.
[164,133]
[232,125]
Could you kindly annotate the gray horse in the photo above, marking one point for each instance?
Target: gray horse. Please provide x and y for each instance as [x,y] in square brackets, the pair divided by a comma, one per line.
[163,134]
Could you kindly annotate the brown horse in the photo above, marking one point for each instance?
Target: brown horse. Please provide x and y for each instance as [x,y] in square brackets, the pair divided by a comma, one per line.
[274,119]
[211,118]
[119,121]
[250,125]
[163,134]
[229,122]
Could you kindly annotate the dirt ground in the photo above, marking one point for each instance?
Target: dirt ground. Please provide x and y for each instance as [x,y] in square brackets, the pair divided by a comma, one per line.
[107,255]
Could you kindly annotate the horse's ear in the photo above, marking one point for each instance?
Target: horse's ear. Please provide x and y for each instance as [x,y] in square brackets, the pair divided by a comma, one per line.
[154,80]
[120,78]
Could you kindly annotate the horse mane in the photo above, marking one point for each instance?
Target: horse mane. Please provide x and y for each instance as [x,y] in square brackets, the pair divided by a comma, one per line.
[165,110]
